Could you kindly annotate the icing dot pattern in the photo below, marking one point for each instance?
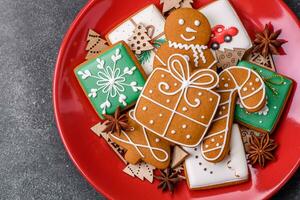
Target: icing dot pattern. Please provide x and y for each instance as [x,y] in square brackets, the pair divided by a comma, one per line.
[213,144]
[177,107]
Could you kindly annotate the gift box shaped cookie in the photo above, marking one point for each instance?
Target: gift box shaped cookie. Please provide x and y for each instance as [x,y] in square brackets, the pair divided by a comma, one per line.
[151,18]
[202,174]
[227,29]
[115,78]
[278,89]
[178,105]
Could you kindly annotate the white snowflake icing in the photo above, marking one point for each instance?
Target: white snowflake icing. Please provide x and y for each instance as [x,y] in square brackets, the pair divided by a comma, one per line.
[111,81]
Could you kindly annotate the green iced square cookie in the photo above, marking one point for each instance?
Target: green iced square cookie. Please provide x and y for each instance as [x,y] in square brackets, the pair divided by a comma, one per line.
[277,92]
[115,78]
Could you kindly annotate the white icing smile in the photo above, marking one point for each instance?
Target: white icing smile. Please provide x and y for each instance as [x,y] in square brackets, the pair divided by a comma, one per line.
[188,30]
[187,39]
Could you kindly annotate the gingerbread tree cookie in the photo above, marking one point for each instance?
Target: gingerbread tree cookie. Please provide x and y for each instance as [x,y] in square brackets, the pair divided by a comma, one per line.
[95,44]
[178,156]
[98,129]
[140,41]
[170,4]
[228,57]
[141,170]
[186,4]
[258,59]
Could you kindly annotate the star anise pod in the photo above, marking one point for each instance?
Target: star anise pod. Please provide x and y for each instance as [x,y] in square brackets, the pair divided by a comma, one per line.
[168,179]
[117,122]
[260,149]
[267,42]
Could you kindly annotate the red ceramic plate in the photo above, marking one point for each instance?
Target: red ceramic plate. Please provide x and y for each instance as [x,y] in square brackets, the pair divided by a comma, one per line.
[98,163]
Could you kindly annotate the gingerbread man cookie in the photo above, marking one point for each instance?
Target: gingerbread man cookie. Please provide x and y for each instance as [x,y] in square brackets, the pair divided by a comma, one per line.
[250,88]
[141,144]
[178,105]
[187,32]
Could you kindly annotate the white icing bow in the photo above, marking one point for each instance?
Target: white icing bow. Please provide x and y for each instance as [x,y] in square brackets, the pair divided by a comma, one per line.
[203,79]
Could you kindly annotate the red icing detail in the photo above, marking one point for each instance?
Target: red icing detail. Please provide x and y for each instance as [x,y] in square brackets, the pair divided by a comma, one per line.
[219,32]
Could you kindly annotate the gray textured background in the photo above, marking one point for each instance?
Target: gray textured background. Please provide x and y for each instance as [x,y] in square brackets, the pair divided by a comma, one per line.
[33,161]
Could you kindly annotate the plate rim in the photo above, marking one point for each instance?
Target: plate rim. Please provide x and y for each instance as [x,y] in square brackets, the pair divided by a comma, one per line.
[61,51]
[55,81]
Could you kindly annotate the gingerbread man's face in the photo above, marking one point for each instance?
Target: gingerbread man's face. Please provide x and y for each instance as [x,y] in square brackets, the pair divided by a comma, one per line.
[187,26]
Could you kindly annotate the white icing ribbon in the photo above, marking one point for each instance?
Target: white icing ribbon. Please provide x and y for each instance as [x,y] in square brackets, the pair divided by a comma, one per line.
[137,146]
[197,50]
[187,80]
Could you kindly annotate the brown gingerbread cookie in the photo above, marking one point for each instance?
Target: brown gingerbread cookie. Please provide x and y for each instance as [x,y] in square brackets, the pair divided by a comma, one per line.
[177,104]
[188,33]
[234,82]
[142,144]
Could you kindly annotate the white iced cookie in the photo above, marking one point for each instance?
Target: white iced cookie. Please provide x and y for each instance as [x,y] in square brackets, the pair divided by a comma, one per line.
[227,29]
[152,19]
[202,174]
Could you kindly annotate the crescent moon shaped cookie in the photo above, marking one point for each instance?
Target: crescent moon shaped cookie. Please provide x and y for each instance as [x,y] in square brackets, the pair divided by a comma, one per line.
[141,144]
[187,32]
[178,105]
[234,82]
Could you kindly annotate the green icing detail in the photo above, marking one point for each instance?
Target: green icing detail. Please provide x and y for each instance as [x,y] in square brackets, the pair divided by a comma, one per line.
[157,43]
[146,55]
[275,102]
[111,80]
